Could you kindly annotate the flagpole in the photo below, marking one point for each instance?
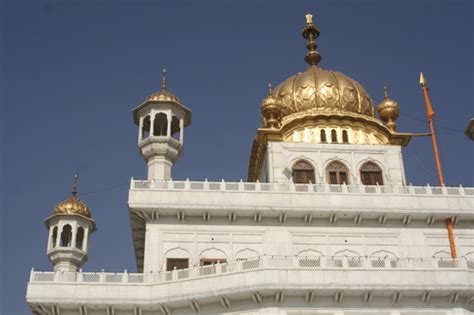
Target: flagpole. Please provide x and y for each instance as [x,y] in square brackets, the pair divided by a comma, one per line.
[430,114]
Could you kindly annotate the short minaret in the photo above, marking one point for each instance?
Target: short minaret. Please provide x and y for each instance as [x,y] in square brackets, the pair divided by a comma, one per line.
[69,229]
[161,120]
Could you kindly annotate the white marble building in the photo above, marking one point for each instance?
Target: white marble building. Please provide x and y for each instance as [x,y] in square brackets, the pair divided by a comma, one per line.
[325,224]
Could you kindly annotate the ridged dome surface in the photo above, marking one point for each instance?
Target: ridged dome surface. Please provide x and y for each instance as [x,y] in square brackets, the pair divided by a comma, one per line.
[324,90]
[72,205]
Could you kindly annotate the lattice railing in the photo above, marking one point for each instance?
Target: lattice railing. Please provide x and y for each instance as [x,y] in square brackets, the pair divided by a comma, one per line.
[300,188]
[261,262]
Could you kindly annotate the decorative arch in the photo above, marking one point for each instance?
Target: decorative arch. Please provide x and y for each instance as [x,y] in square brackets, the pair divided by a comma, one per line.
[337,172]
[160,124]
[441,254]
[175,127]
[80,237]
[303,171]
[146,127]
[246,253]
[371,172]
[213,253]
[346,252]
[309,253]
[66,235]
[177,252]
[54,237]
[469,255]
[382,253]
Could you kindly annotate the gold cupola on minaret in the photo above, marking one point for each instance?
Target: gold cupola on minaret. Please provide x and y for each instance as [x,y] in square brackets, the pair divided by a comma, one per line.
[72,204]
[271,110]
[389,111]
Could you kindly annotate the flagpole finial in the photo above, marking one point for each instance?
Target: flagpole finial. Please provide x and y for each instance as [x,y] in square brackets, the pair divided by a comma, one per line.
[422,79]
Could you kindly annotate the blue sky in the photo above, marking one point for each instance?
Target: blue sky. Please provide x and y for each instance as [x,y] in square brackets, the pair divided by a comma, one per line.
[74,70]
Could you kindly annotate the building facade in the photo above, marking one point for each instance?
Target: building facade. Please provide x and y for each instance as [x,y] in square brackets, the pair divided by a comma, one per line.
[325,223]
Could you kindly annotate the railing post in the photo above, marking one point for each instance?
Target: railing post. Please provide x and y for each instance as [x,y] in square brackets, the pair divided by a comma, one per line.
[378,190]
[218,267]
[258,187]
[132,183]
[206,184]
[444,190]
[238,265]
[125,276]
[462,262]
[57,276]
[345,263]
[461,190]
[222,187]
[102,276]
[429,191]
[80,276]
[32,275]
[241,185]
[174,274]
[170,184]
[264,260]
[187,186]
[344,187]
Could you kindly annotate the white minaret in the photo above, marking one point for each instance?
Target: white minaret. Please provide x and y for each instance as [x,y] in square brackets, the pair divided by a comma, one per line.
[161,120]
[69,229]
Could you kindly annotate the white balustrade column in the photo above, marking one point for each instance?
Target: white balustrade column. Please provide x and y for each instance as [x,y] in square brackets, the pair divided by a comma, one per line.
[85,242]
[140,129]
[152,124]
[170,118]
[58,237]
[73,234]
[181,130]
[50,237]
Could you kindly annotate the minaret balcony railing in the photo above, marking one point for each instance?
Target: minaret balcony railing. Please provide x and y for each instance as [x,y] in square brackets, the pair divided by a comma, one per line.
[241,186]
[321,263]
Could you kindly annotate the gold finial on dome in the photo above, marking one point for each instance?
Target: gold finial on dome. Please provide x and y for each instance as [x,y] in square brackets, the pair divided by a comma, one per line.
[311,32]
[73,205]
[270,110]
[388,110]
[163,95]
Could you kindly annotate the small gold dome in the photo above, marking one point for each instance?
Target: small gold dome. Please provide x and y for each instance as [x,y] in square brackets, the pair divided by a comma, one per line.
[389,111]
[72,205]
[270,110]
[164,95]
[319,89]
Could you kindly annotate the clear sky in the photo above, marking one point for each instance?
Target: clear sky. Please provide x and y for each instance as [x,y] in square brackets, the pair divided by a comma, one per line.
[73,71]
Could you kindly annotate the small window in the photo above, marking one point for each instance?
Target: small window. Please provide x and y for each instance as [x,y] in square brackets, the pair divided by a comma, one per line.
[54,237]
[160,125]
[179,263]
[371,174]
[303,173]
[323,136]
[146,127]
[209,261]
[80,237]
[345,137]
[66,236]
[337,173]
[333,136]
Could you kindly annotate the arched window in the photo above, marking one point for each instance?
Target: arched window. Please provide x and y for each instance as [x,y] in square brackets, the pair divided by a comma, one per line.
[54,237]
[66,236]
[160,125]
[80,237]
[371,174]
[323,135]
[333,136]
[303,173]
[345,137]
[146,127]
[175,127]
[337,173]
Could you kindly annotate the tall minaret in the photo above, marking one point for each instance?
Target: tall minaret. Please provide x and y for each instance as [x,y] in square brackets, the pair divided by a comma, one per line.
[69,229]
[161,120]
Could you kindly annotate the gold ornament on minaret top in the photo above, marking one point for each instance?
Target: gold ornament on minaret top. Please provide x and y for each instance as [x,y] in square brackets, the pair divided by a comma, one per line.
[164,95]
[270,110]
[73,205]
[389,111]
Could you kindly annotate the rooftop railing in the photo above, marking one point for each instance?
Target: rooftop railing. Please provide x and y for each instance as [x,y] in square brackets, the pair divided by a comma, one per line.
[241,186]
[258,263]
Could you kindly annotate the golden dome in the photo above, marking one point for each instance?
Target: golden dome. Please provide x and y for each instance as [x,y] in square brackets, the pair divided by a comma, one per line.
[317,89]
[164,95]
[270,110]
[73,205]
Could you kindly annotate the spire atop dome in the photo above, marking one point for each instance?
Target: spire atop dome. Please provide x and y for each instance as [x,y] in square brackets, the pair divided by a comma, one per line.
[310,33]
[270,89]
[163,80]
[385,93]
[74,185]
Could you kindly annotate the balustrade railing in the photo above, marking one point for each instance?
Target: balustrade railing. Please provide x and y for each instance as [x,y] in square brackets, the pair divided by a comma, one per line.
[257,263]
[188,185]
